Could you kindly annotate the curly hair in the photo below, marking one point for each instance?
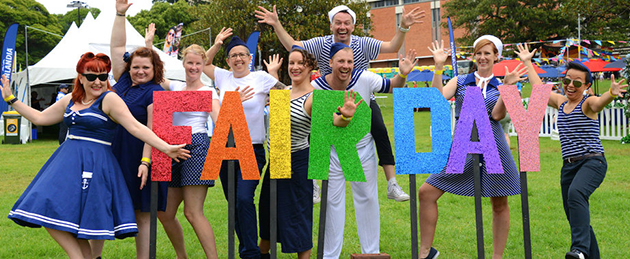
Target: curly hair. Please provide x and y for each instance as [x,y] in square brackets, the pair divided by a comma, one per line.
[158,65]
[309,58]
[95,63]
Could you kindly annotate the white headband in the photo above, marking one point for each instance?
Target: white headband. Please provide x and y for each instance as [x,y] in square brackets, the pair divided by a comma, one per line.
[496,41]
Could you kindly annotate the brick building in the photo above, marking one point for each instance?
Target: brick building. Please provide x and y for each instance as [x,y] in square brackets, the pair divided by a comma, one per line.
[385,15]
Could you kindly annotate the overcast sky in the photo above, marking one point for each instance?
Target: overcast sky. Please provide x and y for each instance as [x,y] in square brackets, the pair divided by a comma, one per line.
[59,6]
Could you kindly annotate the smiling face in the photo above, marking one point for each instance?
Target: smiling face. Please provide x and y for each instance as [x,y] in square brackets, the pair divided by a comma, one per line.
[342,27]
[193,65]
[94,88]
[298,70]
[486,57]
[572,92]
[238,60]
[170,35]
[342,64]
[141,70]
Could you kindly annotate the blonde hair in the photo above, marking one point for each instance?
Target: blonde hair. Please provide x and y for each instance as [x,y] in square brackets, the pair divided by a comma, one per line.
[195,49]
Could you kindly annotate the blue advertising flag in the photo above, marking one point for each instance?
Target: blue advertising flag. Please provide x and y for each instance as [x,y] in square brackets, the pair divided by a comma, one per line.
[8,53]
[252,43]
[453,55]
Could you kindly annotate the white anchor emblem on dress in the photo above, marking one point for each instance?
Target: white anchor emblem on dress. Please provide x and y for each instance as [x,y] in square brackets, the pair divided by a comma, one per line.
[85,182]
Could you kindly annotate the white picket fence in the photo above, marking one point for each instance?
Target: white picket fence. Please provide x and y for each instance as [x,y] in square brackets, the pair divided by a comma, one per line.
[613,123]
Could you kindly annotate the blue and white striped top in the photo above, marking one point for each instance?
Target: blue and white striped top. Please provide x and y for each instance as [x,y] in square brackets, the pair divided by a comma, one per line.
[363,48]
[300,124]
[579,134]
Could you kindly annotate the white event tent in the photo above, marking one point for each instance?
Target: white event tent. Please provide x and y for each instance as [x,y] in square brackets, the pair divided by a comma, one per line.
[93,35]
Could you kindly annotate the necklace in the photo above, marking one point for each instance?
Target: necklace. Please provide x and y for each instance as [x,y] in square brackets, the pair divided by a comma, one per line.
[87,103]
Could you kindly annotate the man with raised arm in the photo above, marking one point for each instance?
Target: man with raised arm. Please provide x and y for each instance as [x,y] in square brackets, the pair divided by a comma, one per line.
[365,194]
[364,49]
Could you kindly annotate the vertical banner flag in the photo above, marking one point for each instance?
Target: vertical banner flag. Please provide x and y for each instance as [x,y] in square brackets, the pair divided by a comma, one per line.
[252,43]
[173,37]
[8,53]
[453,56]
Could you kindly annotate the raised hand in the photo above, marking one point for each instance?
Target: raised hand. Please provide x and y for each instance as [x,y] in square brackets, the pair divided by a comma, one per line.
[523,52]
[440,54]
[177,152]
[5,87]
[349,107]
[406,64]
[265,16]
[411,18]
[516,75]
[149,34]
[246,93]
[615,87]
[223,34]
[274,64]
[122,6]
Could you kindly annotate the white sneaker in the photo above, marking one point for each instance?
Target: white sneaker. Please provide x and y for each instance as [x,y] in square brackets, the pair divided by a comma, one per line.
[575,254]
[316,193]
[395,192]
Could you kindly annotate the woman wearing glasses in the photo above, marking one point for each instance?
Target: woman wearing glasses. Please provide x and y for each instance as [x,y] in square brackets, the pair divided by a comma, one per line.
[239,75]
[496,186]
[84,197]
[584,165]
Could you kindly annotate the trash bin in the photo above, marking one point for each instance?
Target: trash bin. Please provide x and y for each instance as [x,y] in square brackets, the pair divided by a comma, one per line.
[12,122]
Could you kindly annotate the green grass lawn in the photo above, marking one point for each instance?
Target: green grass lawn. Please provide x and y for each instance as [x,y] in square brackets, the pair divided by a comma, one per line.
[455,237]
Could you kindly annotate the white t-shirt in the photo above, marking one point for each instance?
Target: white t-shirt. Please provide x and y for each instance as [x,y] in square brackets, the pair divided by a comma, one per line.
[197,120]
[261,82]
[363,82]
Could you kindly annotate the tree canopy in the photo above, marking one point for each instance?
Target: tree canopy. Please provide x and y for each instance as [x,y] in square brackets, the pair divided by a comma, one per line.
[34,15]
[311,22]
[529,20]
[66,20]
[164,15]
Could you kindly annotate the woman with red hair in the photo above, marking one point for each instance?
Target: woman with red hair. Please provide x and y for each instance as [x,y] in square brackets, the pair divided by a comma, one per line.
[84,197]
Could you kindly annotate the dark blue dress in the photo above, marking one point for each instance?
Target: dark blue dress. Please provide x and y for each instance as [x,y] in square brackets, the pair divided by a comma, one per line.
[128,149]
[80,189]
[492,185]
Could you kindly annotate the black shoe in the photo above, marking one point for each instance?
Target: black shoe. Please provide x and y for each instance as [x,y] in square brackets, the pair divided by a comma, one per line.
[265,256]
[575,254]
[433,254]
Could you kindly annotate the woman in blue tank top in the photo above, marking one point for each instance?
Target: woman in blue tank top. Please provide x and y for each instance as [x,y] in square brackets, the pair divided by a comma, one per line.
[584,166]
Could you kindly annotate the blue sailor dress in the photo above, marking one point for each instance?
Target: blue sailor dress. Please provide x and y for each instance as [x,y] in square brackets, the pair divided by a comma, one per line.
[81,188]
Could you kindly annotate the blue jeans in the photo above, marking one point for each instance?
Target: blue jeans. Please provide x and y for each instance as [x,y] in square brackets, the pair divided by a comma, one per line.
[579,180]
[246,228]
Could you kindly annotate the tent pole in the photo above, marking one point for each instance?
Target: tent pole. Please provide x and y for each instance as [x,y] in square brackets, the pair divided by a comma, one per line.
[28,83]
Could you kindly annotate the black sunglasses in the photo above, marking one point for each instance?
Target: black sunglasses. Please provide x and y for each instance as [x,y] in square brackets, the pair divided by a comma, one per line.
[92,77]
[576,83]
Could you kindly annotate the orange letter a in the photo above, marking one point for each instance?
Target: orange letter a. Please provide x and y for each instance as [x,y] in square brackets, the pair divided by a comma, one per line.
[232,116]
